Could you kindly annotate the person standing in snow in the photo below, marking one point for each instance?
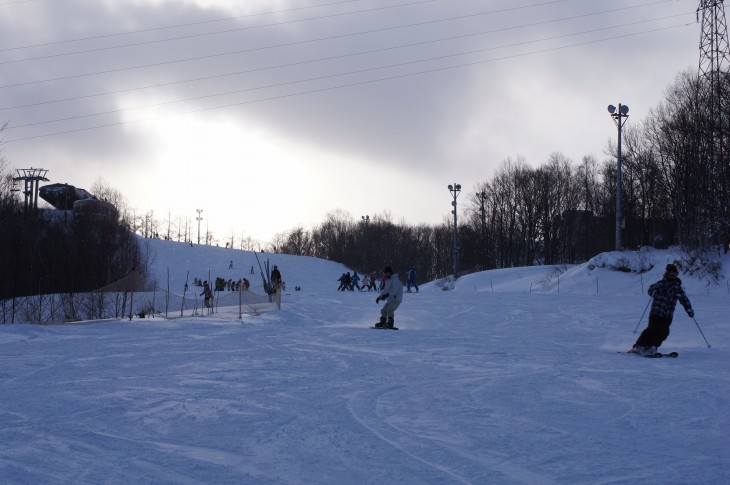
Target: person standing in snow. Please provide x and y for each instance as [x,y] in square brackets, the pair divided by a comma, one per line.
[365,282]
[276,286]
[373,283]
[207,296]
[412,279]
[665,294]
[275,276]
[392,293]
[345,281]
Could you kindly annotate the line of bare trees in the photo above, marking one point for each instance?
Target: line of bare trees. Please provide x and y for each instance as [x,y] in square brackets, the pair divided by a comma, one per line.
[675,190]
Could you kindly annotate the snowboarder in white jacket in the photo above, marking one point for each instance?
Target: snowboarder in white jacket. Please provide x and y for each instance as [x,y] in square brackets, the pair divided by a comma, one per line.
[392,293]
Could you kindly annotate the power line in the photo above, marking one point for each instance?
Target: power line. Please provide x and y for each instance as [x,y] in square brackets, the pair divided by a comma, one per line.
[153,29]
[189,24]
[342,86]
[289,44]
[18,1]
[347,73]
[191,36]
[227,31]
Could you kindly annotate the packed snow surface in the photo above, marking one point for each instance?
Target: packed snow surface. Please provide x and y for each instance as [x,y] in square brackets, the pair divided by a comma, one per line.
[514,376]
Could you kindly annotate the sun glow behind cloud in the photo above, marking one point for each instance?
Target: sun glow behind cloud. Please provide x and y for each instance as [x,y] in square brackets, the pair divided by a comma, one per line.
[248,182]
[231,171]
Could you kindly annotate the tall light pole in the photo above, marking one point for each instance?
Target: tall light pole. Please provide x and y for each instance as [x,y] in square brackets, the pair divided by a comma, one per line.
[366,220]
[482,196]
[199,218]
[455,189]
[618,115]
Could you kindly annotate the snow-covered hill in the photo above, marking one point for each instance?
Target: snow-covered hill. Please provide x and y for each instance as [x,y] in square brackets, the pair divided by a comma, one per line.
[511,377]
[209,262]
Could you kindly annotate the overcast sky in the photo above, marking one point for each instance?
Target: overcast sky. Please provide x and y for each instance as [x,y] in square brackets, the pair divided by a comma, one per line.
[269,114]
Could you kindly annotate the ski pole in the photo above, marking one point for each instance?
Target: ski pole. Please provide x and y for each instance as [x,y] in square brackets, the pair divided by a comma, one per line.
[642,316]
[701,333]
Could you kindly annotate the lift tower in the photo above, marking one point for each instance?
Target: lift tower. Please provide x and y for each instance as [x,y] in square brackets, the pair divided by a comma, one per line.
[714,77]
[32,178]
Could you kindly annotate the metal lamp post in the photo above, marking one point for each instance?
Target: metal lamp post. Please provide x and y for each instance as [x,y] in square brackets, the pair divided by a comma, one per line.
[618,116]
[482,197]
[455,189]
[366,221]
[199,218]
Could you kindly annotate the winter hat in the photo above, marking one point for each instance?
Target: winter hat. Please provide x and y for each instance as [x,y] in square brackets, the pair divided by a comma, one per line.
[671,270]
[388,269]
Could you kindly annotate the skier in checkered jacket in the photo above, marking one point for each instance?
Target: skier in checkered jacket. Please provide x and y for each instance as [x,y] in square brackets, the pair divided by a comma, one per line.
[665,294]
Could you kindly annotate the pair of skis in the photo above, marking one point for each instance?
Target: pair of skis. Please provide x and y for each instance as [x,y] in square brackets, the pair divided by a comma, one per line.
[655,355]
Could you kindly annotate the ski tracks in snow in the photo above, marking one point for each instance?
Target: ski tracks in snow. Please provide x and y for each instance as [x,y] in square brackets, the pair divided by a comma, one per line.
[452,460]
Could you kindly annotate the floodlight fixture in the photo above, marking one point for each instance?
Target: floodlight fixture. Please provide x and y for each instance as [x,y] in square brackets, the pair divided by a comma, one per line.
[611,109]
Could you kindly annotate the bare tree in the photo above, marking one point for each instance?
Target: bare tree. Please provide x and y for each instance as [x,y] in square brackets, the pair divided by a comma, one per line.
[298,242]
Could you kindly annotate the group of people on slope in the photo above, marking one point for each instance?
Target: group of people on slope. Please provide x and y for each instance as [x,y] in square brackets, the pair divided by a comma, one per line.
[221,284]
[243,284]
[350,282]
[370,283]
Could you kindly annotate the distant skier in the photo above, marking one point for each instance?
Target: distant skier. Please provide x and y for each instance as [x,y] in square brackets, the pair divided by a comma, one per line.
[276,286]
[344,282]
[373,283]
[365,282]
[665,294]
[412,280]
[207,295]
[275,277]
[392,292]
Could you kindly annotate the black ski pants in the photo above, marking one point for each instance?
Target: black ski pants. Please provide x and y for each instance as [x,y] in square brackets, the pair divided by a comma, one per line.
[656,332]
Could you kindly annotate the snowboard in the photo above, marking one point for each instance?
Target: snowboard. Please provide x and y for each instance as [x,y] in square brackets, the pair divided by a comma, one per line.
[385,328]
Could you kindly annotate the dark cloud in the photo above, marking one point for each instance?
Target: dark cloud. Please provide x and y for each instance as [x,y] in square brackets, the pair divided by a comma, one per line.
[359,88]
